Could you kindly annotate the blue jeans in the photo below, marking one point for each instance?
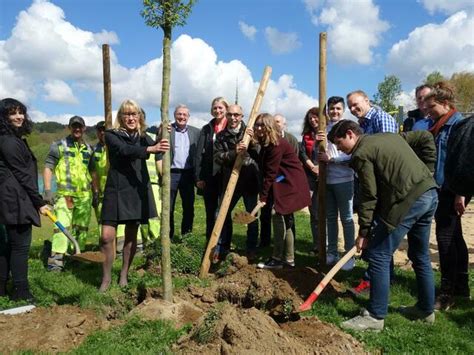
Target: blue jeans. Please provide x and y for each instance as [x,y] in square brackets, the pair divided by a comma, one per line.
[416,224]
[339,201]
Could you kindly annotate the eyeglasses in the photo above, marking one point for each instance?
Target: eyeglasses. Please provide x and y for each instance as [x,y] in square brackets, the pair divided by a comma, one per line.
[133,114]
[233,114]
[259,124]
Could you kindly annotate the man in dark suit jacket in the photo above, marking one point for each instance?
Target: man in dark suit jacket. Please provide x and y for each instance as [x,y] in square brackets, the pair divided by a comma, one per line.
[183,142]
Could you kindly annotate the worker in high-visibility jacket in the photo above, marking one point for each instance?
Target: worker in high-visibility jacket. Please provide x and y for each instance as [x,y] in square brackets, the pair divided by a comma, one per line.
[98,169]
[68,159]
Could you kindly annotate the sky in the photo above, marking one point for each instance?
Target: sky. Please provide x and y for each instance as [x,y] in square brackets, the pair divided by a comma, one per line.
[51,56]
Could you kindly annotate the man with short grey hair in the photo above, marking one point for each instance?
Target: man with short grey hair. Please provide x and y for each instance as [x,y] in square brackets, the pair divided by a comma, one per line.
[183,142]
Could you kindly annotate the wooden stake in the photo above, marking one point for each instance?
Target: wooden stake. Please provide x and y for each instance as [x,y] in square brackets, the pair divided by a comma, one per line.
[229,192]
[322,148]
[107,86]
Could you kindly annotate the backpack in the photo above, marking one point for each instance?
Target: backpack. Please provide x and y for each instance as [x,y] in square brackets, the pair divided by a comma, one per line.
[459,165]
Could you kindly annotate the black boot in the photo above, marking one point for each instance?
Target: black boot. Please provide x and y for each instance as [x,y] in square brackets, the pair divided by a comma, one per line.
[23,294]
[461,289]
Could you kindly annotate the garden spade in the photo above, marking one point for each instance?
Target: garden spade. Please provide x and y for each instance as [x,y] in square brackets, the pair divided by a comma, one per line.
[89,256]
[243,217]
[306,306]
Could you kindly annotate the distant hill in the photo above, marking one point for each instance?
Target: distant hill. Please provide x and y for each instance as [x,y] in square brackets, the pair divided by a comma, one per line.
[45,133]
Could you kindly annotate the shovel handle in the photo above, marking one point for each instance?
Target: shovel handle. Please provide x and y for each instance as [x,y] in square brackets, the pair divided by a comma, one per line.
[63,229]
[256,209]
[317,291]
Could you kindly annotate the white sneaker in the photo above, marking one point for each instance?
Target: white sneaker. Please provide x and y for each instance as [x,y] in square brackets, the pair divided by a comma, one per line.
[364,322]
[349,265]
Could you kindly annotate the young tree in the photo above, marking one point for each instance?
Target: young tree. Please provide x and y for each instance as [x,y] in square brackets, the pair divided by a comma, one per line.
[388,90]
[166,14]
[434,77]
[464,84]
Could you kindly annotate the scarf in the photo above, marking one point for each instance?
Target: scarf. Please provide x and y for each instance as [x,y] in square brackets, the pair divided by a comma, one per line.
[441,122]
[309,139]
[220,126]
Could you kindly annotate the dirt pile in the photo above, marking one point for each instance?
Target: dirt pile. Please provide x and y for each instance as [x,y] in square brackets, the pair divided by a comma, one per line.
[233,330]
[50,330]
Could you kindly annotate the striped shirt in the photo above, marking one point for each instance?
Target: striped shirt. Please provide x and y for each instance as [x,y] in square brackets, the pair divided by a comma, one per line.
[378,121]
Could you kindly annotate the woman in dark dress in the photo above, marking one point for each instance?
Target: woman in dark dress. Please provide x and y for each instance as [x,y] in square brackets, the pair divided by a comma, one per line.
[20,200]
[128,197]
[284,177]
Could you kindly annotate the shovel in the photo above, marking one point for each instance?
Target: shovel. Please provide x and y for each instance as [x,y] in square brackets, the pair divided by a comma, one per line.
[306,306]
[243,217]
[89,256]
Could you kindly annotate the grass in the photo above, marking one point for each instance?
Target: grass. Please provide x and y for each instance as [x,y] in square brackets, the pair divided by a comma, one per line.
[453,331]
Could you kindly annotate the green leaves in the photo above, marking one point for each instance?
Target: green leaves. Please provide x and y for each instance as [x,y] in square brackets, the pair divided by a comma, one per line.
[166,13]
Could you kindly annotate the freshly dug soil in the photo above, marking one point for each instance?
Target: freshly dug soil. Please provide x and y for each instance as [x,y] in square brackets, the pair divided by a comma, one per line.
[250,331]
[50,330]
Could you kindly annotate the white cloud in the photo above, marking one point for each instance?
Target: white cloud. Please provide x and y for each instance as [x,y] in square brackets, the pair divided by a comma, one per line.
[45,48]
[281,42]
[354,28]
[248,31]
[59,91]
[445,47]
[447,6]
[407,100]
[312,7]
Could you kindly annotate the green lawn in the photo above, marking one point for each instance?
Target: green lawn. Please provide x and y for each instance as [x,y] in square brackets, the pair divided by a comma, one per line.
[452,333]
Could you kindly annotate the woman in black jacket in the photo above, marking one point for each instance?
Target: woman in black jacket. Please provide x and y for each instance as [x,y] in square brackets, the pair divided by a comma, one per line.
[207,174]
[20,200]
[128,197]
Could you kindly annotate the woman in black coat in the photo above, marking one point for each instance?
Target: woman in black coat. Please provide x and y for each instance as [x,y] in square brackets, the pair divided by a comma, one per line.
[20,200]
[128,197]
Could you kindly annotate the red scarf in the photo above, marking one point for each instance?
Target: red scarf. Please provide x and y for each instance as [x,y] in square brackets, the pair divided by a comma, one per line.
[441,122]
[220,126]
[309,139]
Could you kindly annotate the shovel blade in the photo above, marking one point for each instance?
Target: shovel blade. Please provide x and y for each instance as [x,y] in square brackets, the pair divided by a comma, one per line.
[243,217]
[89,256]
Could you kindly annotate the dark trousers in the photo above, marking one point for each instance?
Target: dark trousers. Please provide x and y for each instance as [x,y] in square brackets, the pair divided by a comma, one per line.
[182,181]
[266,223]
[453,253]
[14,249]
[211,202]
[250,201]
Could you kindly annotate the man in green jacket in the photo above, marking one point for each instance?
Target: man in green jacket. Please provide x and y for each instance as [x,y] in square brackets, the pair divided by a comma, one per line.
[397,198]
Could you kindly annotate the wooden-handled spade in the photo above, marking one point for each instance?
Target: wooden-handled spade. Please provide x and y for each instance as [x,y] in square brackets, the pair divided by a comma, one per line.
[89,256]
[306,306]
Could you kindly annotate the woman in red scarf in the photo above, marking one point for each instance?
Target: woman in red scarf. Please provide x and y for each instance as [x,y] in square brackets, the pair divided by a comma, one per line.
[453,253]
[308,155]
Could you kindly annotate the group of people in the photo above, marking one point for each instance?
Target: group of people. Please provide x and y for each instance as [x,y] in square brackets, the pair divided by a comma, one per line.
[400,182]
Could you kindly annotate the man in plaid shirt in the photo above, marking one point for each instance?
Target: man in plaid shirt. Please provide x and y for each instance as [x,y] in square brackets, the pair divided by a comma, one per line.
[371,119]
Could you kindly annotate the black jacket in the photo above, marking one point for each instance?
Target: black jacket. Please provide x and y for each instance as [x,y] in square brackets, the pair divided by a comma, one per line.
[204,163]
[459,166]
[19,196]
[225,155]
[128,194]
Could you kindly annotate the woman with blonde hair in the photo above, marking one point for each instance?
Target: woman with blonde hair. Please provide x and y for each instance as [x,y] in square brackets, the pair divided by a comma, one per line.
[207,173]
[128,197]
[283,176]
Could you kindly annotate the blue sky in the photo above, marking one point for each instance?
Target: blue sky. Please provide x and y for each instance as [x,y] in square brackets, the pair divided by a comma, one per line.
[50,52]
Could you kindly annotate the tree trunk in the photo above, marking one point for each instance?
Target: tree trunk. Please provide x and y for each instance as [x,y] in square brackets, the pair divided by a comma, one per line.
[322,148]
[165,191]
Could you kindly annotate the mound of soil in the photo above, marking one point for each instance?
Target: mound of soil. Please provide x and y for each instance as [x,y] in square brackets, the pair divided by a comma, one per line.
[50,330]
[250,331]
